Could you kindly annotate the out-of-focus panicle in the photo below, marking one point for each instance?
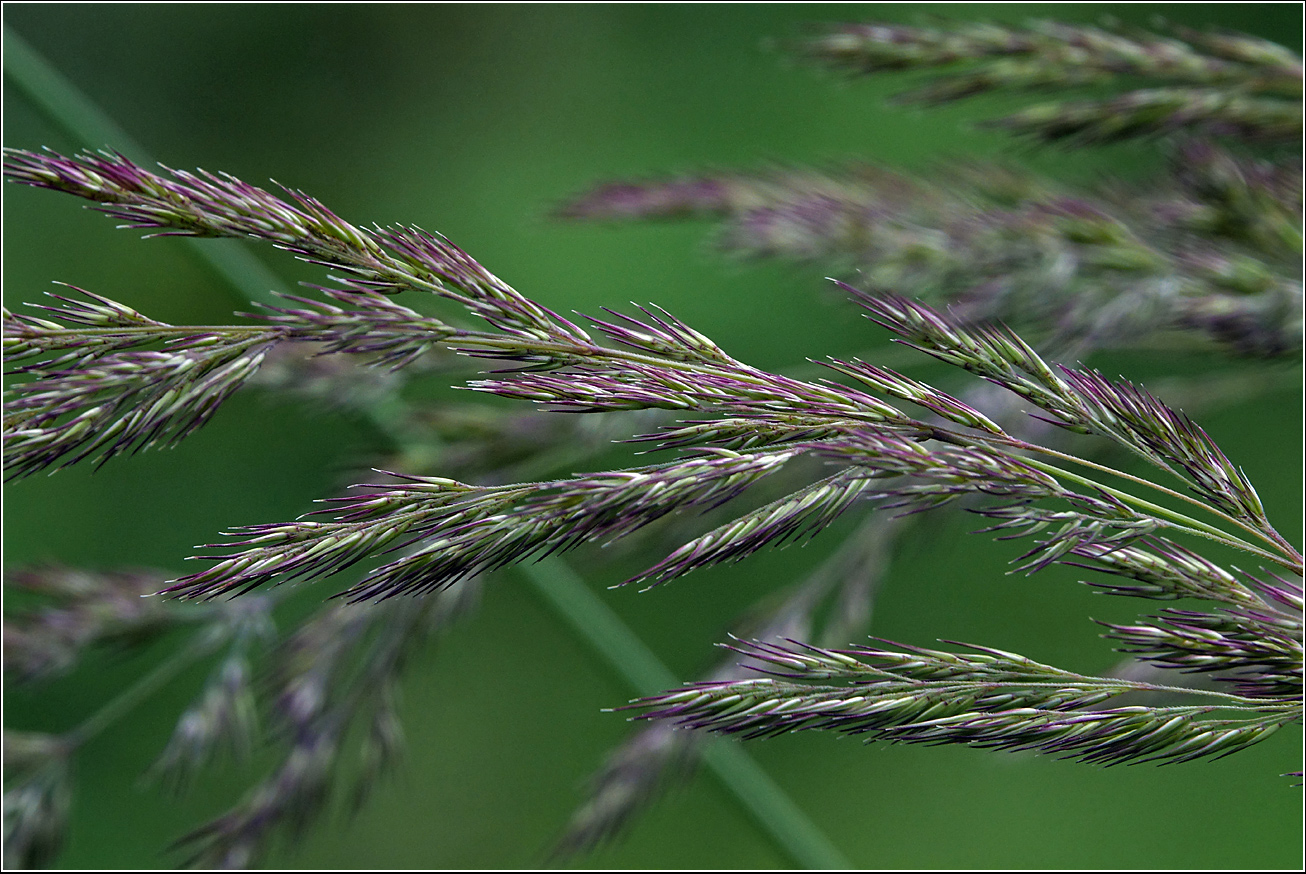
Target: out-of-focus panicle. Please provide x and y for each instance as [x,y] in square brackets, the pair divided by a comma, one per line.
[335,676]
[1212,253]
[71,610]
[1223,84]
[633,775]
[37,797]
[685,197]
[656,754]
[1210,250]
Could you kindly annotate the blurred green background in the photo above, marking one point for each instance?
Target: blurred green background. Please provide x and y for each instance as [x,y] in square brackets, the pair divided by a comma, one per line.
[475,121]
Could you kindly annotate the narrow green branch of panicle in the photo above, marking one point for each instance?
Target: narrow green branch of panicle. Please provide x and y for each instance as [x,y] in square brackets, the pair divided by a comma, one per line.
[1287,558]
[990,699]
[1084,401]
[104,379]
[453,530]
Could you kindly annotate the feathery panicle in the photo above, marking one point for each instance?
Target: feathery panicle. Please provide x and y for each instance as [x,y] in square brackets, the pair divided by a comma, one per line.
[291,798]
[941,404]
[1258,654]
[123,401]
[1211,248]
[1155,111]
[740,389]
[678,198]
[1112,268]
[197,204]
[1168,437]
[1055,54]
[1253,642]
[740,433]
[1080,400]
[1226,197]
[997,355]
[634,774]
[364,323]
[385,260]
[451,530]
[102,379]
[795,517]
[1165,570]
[224,717]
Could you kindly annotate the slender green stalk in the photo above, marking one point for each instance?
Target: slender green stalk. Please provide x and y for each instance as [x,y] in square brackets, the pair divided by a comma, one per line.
[792,830]
[82,120]
[1183,523]
[1271,537]
[154,681]
[1292,562]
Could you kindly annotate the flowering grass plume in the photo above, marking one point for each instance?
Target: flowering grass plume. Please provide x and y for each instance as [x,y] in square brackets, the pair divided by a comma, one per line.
[1211,250]
[745,425]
